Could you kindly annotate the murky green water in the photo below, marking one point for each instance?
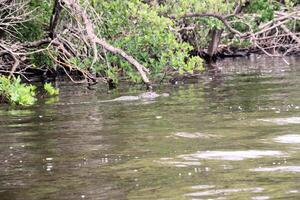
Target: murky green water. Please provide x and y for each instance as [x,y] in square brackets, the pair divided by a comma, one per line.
[234,135]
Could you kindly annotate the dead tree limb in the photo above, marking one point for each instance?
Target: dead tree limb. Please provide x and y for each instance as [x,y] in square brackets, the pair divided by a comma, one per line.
[73,5]
[290,33]
[219,17]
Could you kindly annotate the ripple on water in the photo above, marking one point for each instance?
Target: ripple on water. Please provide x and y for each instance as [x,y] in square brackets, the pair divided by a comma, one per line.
[282,121]
[223,192]
[202,187]
[177,163]
[288,139]
[231,155]
[277,169]
[193,135]
[260,198]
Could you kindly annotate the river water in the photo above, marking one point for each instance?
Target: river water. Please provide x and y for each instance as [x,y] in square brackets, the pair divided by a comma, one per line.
[232,135]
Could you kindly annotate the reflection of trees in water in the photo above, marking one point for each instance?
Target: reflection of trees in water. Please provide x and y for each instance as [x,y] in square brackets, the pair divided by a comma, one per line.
[62,145]
[257,64]
[244,84]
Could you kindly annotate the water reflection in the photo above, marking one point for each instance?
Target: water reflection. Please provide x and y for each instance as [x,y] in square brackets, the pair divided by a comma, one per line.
[283,121]
[232,155]
[233,135]
[224,192]
[278,169]
[193,135]
[289,139]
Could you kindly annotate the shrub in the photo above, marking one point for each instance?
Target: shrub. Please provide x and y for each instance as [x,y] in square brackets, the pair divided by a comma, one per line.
[50,89]
[15,92]
[143,33]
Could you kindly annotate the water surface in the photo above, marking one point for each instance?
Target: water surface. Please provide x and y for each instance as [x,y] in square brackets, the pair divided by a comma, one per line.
[233,135]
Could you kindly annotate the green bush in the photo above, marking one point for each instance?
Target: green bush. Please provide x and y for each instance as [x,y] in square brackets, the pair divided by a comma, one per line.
[15,92]
[198,37]
[143,33]
[36,28]
[264,8]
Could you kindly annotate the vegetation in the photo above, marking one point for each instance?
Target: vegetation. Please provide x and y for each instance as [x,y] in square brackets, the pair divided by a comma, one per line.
[138,40]
[15,92]
[50,89]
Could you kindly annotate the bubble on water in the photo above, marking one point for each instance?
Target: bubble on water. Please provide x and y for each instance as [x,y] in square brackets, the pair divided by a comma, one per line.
[49,159]
[158,117]
[179,174]
[21,161]
[190,173]
[10,147]
[82,196]
[40,116]
[49,167]
[5,161]
[23,146]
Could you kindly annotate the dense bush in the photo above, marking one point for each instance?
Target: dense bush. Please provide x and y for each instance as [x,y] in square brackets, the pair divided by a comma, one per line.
[198,37]
[143,33]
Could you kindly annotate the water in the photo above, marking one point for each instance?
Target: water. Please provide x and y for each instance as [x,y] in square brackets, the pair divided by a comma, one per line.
[233,135]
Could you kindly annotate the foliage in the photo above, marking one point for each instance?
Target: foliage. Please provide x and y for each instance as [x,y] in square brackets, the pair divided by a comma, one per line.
[197,37]
[15,92]
[264,8]
[153,33]
[35,28]
[50,89]
[143,33]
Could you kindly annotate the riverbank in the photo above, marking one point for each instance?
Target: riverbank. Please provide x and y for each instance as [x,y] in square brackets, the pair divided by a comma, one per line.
[139,40]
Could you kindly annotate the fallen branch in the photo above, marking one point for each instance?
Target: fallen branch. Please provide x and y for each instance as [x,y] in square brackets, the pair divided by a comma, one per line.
[74,6]
[290,33]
